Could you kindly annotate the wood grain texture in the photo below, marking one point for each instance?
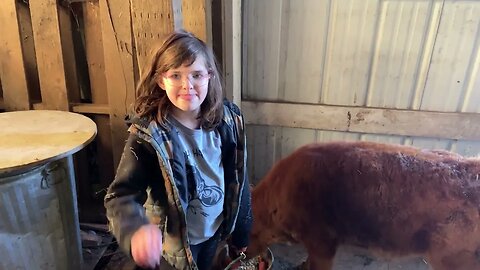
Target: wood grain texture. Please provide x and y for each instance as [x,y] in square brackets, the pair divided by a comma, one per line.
[232,49]
[12,69]
[50,59]
[457,126]
[196,20]
[119,70]
[35,137]
[152,21]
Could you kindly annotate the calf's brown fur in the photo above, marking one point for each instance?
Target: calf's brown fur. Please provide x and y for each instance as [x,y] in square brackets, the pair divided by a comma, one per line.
[395,200]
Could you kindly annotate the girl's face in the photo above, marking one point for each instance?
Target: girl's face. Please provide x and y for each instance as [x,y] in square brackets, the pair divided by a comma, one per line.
[186,86]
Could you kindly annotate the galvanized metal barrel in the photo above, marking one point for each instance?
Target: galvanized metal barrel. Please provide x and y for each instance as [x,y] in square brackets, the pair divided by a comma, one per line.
[39,226]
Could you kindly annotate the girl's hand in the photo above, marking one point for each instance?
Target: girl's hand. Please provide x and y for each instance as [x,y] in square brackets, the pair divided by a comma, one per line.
[146,245]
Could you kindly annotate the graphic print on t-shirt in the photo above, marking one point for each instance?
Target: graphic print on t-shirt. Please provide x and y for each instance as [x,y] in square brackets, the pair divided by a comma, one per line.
[198,190]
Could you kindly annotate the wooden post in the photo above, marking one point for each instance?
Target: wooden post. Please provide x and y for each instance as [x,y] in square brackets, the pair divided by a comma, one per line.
[118,54]
[2,106]
[98,85]
[232,49]
[28,49]
[12,64]
[48,48]
[68,51]
[90,196]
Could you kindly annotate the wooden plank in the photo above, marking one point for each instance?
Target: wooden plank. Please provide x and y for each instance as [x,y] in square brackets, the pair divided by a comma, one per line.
[94,52]
[232,49]
[12,68]
[196,18]
[118,53]
[28,49]
[68,51]
[98,86]
[465,126]
[152,21]
[217,30]
[90,108]
[48,48]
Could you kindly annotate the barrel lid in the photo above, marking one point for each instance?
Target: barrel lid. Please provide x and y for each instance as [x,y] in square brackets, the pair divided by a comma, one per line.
[30,138]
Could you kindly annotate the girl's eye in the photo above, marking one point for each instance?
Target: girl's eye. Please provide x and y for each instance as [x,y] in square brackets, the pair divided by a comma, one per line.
[198,76]
[174,76]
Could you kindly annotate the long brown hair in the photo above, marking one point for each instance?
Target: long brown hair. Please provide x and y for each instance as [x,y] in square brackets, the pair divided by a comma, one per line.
[179,48]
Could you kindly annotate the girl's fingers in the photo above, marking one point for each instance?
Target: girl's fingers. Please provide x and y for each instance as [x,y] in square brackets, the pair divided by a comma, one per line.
[152,248]
[147,246]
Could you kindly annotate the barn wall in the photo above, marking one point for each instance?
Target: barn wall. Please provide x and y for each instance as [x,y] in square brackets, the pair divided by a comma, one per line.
[410,56]
[85,56]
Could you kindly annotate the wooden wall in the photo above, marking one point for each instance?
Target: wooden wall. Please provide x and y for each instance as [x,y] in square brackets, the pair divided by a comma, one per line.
[85,56]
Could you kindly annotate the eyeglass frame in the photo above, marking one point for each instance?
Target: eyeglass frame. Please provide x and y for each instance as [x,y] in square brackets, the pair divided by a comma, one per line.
[190,78]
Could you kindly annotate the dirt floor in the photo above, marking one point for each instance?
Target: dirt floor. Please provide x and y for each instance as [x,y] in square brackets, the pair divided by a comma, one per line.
[347,258]
[105,255]
[289,257]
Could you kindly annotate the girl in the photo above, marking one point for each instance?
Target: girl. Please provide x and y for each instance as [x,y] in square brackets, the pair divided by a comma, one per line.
[181,184]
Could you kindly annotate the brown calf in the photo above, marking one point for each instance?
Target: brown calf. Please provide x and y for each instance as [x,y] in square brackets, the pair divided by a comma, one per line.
[394,200]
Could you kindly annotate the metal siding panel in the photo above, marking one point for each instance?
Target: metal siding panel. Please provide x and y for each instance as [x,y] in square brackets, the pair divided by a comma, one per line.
[303,48]
[263,44]
[452,61]
[330,136]
[471,101]
[292,139]
[351,35]
[383,138]
[261,151]
[394,54]
[402,34]
[429,143]
[467,148]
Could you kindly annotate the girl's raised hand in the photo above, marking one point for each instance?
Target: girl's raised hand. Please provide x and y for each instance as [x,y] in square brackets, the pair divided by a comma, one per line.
[146,245]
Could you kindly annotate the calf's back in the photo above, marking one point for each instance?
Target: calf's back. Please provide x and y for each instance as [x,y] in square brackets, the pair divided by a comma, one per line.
[395,200]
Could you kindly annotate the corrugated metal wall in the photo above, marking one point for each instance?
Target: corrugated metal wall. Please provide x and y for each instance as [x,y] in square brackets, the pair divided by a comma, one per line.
[403,54]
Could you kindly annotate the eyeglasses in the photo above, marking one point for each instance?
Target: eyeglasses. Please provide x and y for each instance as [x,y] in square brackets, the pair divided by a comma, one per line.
[196,79]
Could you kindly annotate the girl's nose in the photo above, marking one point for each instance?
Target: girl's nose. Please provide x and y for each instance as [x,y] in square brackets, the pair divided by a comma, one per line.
[187,84]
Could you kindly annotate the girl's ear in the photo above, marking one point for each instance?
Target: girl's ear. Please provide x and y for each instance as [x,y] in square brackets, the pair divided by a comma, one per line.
[159,81]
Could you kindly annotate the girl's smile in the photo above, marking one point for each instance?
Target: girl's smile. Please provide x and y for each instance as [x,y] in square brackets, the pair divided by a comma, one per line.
[187,97]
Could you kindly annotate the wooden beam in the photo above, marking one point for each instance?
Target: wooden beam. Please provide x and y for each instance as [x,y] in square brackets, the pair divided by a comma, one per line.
[12,64]
[98,86]
[48,48]
[118,54]
[232,49]
[68,52]
[90,108]
[94,52]
[28,49]
[457,126]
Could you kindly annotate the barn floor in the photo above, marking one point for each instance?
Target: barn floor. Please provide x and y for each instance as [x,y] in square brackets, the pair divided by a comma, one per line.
[105,255]
[290,257]
[287,257]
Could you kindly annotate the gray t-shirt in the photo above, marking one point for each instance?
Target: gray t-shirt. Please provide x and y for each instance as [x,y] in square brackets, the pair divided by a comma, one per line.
[206,188]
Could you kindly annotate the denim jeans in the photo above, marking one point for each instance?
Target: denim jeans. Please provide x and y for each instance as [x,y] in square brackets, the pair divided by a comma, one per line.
[203,253]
